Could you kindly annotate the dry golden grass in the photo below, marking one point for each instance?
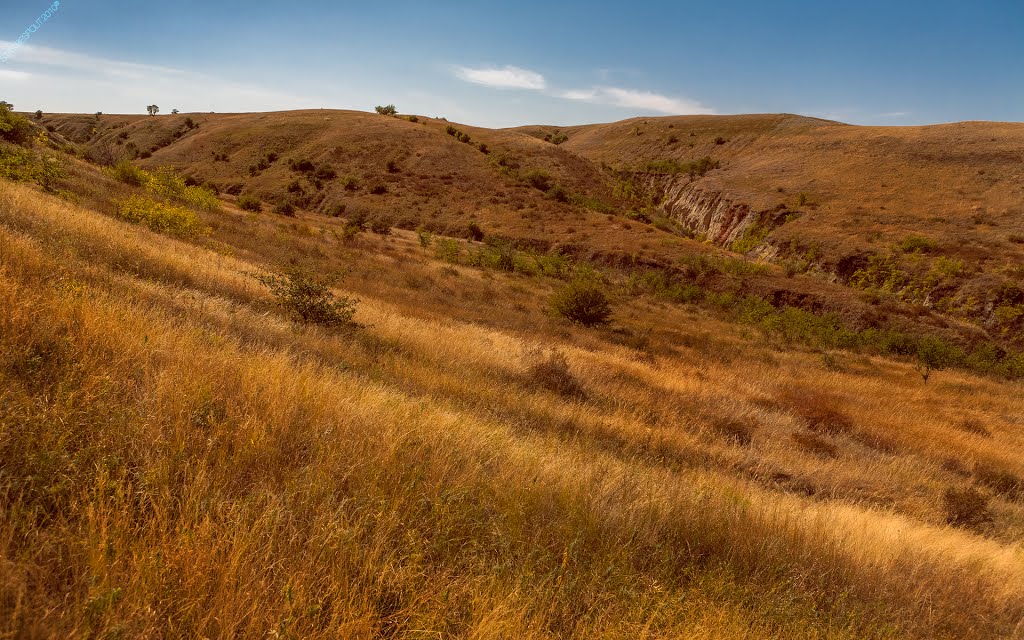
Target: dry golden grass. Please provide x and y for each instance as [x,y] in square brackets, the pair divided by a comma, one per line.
[177,459]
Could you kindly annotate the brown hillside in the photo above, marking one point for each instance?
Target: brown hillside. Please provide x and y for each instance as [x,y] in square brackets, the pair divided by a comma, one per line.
[928,217]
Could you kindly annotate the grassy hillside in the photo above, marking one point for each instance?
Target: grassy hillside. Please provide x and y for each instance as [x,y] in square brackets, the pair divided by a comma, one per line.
[180,457]
[924,221]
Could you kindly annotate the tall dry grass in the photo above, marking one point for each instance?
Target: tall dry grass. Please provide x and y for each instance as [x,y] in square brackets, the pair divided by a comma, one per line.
[178,460]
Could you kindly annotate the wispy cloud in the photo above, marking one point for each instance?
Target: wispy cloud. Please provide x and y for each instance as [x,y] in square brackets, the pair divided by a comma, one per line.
[59,80]
[507,77]
[895,114]
[637,99]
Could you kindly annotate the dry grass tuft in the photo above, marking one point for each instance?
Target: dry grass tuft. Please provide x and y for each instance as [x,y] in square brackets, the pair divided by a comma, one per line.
[552,372]
[815,444]
[966,508]
[819,412]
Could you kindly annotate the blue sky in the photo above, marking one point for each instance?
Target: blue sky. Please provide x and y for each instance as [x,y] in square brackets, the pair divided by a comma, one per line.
[509,63]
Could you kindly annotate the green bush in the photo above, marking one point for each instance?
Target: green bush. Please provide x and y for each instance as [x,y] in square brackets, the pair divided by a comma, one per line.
[13,127]
[250,202]
[447,250]
[934,354]
[161,217]
[284,208]
[168,184]
[917,244]
[126,172]
[325,172]
[558,193]
[582,303]
[556,138]
[538,179]
[386,110]
[309,299]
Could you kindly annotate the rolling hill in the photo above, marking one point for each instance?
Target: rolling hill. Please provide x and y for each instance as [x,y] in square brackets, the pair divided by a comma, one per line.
[793,425]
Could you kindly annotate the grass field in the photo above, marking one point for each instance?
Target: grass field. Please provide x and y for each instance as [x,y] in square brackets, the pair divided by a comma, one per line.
[180,459]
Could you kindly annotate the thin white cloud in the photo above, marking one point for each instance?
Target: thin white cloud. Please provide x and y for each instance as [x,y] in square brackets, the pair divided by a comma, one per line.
[895,114]
[7,74]
[586,95]
[641,100]
[507,77]
[74,82]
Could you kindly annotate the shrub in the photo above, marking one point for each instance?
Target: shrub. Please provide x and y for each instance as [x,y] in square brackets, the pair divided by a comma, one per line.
[967,508]
[720,140]
[308,298]
[475,232]
[450,130]
[447,250]
[284,208]
[250,202]
[538,179]
[917,244]
[392,166]
[386,110]
[161,217]
[424,237]
[126,172]
[22,165]
[558,193]
[582,303]
[13,127]
[336,210]
[556,138]
[39,114]
[484,150]
[381,225]
[325,172]
[350,183]
[303,165]
[168,184]
[379,189]
[553,374]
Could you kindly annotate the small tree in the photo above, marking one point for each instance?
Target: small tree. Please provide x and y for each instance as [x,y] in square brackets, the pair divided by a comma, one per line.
[582,303]
[388,110]
[153,109]
[933,354]
[6,105]
[174,112]
[39,114]
[308,298]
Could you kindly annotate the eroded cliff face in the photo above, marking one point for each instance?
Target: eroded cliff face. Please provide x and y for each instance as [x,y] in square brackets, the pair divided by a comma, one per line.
[705,213]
